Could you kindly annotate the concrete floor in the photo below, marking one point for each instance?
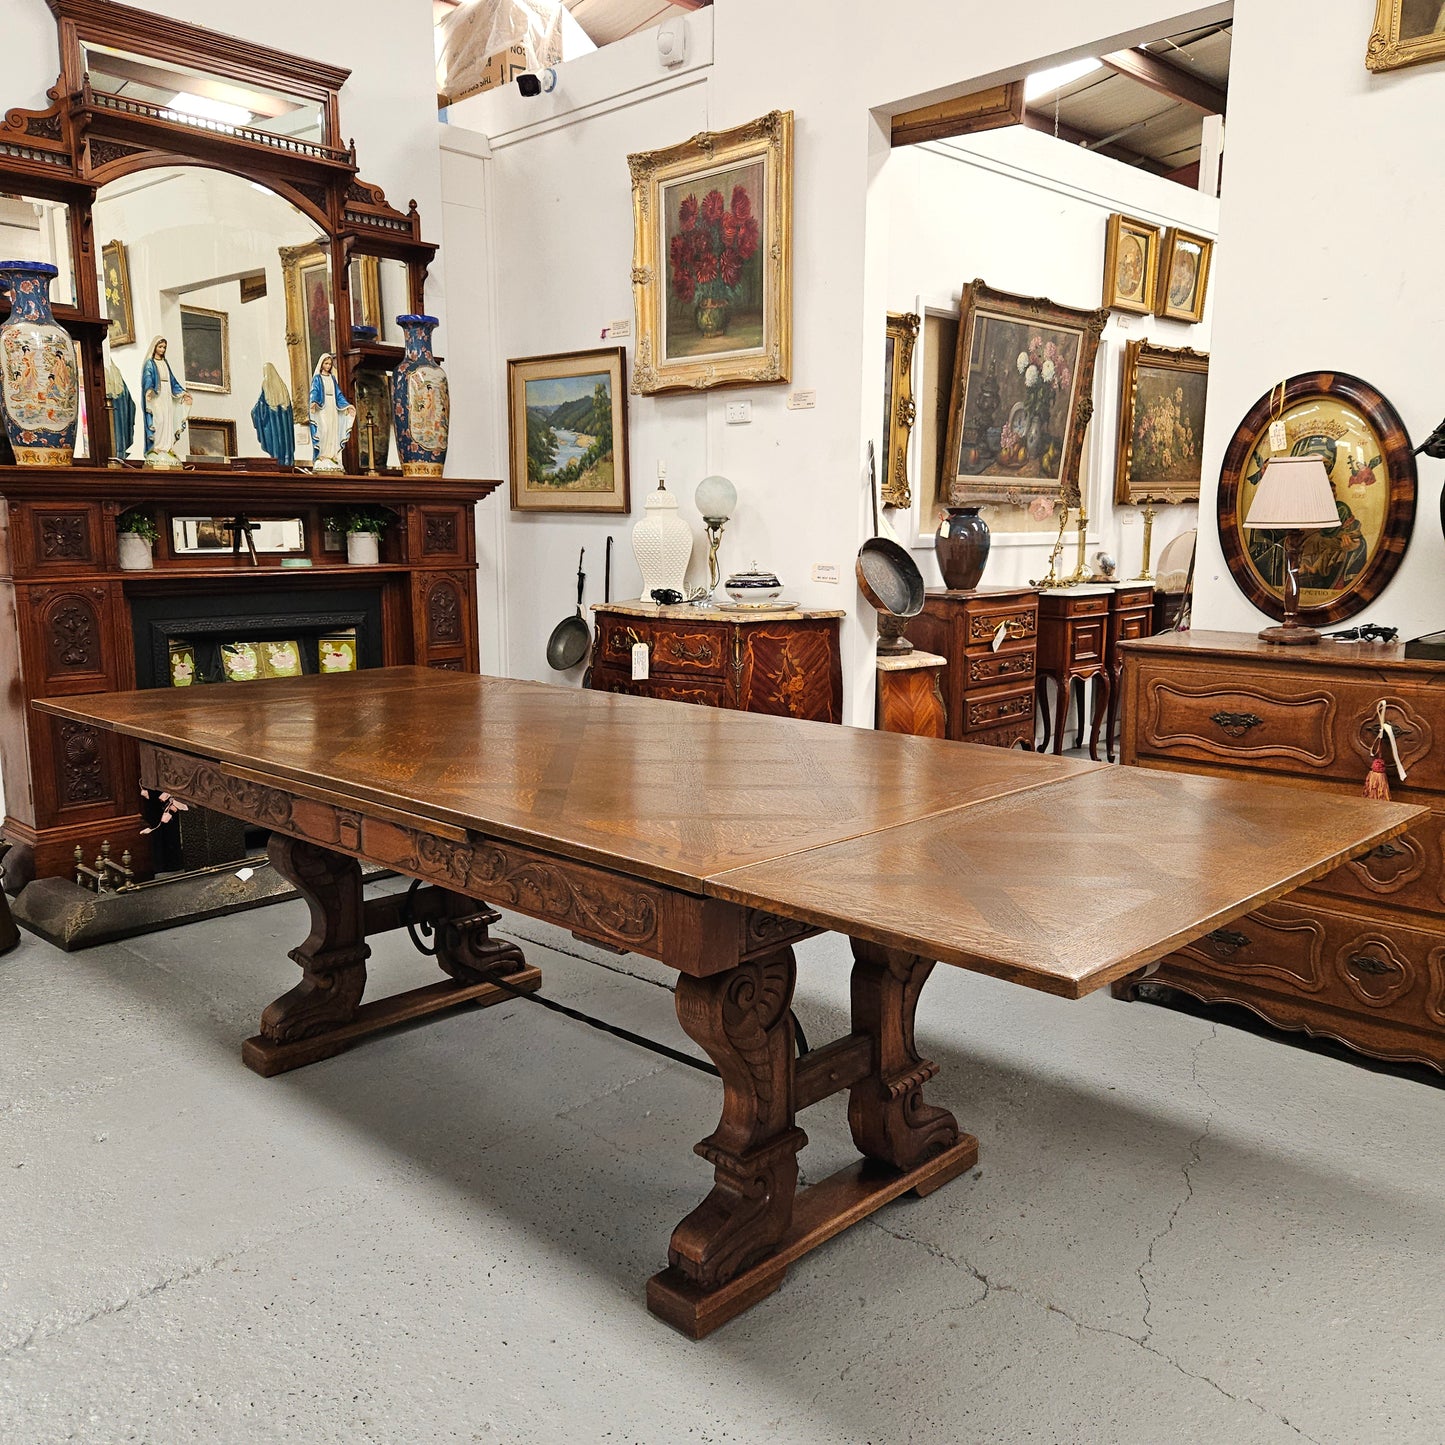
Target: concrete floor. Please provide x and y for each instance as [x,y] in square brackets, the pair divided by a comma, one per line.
[1178,1231]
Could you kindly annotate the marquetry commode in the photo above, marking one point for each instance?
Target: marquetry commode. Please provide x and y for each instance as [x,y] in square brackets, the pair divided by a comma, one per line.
[1358,955]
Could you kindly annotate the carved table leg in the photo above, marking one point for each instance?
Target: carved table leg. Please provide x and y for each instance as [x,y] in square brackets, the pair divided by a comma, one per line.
[465,948]
[333,957]
[886,1112]
[741,1018]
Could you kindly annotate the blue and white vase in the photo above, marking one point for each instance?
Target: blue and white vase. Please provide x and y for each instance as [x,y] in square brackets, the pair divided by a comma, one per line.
[39,383]
[420,404]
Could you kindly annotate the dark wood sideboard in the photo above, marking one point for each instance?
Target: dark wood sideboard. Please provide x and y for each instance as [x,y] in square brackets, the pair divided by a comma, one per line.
[988,690]
[787,664]
[1359,954]
[66,617]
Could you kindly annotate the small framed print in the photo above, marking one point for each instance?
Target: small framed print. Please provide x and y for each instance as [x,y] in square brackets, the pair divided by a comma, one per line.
[1183,283]
[1131,265]
[899,408]
[212,439]
[205,349]
[115,280]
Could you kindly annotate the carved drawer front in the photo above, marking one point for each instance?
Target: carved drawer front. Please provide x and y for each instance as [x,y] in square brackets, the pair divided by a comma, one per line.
[1019,620]
[1408,712]
[1001,666]
[1018,734]
[679,650]
[1282,945]
[1240,722]
[1086,639]
[1405,872]
[999,706]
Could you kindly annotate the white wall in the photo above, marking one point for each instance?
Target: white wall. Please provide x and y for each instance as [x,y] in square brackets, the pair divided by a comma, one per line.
[561,215]
[1028,213]
[1340,272]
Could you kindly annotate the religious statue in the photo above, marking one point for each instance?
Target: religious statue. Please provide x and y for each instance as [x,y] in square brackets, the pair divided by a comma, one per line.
[166,404]
[122,411]
[332,416]
[271,416]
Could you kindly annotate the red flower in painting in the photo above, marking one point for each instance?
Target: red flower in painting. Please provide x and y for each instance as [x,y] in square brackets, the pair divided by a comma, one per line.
[714,241]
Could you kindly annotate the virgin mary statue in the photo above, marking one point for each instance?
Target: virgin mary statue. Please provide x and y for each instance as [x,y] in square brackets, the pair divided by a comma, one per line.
[272,418]
[166,403]
[332,416]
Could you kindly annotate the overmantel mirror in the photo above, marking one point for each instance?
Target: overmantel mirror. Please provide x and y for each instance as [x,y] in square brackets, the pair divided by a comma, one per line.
[194,187]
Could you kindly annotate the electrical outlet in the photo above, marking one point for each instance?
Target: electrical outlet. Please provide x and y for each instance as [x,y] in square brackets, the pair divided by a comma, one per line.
[739,413]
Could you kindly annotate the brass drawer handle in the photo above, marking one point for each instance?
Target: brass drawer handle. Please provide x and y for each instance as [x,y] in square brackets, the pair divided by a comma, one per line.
[1236,724]
[1368,963]
[1227,943]
[702,652]
[1388,850]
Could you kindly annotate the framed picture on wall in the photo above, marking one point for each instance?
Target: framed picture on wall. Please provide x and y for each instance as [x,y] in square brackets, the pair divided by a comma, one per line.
[1161,424]
[211,439]
[115,283]
[1366,450]
[306,277]
[205,349]
[1023,393]
[1131,264]
[898,407]
[567,424]
[712,259]
[1183,284]
[1406,32]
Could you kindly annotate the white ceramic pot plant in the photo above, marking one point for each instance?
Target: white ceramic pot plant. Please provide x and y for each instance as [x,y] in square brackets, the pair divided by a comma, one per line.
[136,535]
[363,527]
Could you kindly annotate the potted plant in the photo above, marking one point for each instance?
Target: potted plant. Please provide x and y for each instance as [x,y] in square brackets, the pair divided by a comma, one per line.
[136,530]
[363,527]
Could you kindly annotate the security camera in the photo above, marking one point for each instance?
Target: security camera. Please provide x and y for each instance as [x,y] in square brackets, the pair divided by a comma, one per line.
[531,83]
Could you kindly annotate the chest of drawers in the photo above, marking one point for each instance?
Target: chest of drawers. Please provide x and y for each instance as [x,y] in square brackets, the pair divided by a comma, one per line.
[1359,954]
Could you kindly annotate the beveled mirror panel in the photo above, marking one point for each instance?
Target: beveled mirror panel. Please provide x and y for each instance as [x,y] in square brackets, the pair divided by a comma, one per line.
[34,229]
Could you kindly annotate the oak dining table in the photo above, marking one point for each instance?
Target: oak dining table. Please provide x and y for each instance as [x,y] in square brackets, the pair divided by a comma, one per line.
[714,841]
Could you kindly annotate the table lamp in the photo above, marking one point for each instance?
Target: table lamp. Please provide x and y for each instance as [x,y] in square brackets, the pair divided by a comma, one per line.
[716,497]
[1294,497]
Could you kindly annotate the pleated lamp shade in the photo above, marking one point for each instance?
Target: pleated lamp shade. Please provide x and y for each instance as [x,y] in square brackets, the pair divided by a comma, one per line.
[1294,494]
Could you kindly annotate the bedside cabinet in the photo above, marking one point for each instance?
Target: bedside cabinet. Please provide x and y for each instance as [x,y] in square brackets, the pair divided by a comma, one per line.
[1073,646]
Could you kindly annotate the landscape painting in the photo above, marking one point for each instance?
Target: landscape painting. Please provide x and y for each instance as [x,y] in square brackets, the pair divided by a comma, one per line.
[568,424]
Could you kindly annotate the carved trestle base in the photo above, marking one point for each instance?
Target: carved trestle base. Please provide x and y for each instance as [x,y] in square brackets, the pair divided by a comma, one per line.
[324,1015]
[736,1246]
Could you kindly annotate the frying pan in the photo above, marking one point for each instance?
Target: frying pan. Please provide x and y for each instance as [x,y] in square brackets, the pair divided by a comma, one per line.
[570,639]
[889,578]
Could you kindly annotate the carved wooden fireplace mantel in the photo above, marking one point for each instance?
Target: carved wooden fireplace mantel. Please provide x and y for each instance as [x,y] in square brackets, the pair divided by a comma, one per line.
[67,628]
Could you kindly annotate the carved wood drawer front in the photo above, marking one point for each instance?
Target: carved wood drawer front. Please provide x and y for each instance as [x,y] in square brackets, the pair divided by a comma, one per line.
[1128,599]
[1086,639]
[1011,705]
[708,694]
[1406,872]
[1019,621]
[674,648]
[1345,964]
[1000,666]
[1018,734]
[1408,713]
[1241,722]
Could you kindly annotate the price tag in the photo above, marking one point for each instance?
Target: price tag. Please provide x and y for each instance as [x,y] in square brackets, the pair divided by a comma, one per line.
[1000,633]
[639,662]
[1278,441]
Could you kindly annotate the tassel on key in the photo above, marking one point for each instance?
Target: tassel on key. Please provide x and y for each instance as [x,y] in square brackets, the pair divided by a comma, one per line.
[1377,781]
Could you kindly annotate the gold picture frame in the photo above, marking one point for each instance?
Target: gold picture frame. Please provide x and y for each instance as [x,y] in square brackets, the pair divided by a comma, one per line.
[205,349]
[211,439]
[1183,284]
[899,408]
[1406,32]
[1017,359]
[115,285]
[1131,264]
[365,279]
[1162,398]
[306,280]
[712,259]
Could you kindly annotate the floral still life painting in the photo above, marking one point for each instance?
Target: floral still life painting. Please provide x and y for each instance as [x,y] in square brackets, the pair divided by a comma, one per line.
[1161,424]
[1023,372]
[568,416]
[711,270]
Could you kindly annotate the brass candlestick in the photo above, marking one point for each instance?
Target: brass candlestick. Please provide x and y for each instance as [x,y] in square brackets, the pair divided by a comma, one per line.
[1145,575]
[1051,577]
[370,429]
[1081,569]
[113,460]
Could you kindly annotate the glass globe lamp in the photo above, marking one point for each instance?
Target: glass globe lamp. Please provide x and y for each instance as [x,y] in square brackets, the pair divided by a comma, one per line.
[716,498]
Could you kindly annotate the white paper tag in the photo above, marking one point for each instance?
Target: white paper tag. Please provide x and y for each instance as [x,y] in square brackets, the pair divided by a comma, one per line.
[1278,441]
[244,874]
[639,662]
[1000,633]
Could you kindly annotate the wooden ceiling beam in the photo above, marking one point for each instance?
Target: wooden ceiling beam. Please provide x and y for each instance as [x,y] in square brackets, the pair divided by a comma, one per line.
[1037,120]
[1146,68]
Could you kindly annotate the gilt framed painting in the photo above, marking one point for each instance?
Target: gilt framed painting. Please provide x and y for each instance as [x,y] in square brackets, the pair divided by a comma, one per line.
[306,278]
[1183,284]
[1131,264]
[115,283]
[1162,397]
[567,416]
[1406,32]
[205,349]
[1366,450]
[1023,394]
[899,408]
[712,259]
